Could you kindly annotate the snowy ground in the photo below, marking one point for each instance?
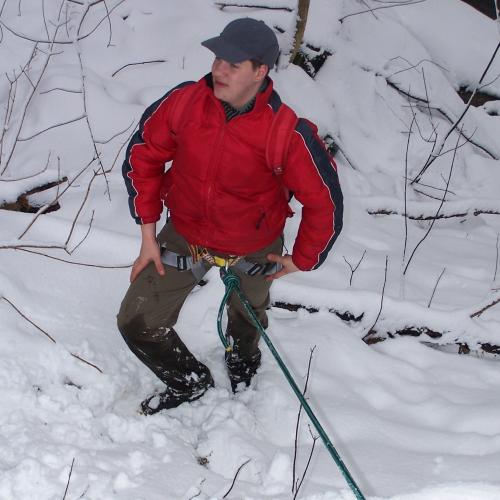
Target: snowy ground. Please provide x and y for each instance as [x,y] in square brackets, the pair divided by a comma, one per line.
[411,422]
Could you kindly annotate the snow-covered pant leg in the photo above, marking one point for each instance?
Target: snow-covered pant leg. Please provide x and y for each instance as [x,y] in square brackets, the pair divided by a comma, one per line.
[146,318]
[256,289]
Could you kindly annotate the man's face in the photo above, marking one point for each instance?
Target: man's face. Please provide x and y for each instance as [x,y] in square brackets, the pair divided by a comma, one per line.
[236,83]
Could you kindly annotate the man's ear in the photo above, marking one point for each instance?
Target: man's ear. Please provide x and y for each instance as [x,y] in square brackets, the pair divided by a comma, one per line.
[262,72]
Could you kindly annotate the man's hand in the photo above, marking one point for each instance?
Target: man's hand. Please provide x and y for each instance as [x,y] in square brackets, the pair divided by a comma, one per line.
[150,252]
[287,263]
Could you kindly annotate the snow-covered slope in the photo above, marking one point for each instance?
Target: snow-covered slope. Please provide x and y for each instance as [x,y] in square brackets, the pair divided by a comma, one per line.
[410,421]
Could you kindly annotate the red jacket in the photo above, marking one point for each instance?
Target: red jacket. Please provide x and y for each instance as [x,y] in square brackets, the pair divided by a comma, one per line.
[220,191]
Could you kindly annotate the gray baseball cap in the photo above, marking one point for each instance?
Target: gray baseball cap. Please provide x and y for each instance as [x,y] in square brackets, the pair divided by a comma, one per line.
[243,39]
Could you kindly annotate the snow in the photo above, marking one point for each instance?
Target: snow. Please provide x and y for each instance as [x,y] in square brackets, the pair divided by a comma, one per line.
[411,418]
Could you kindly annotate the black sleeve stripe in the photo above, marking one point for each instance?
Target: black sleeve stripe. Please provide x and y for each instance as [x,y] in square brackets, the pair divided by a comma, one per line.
[274,101]
[136,140]
[328,173]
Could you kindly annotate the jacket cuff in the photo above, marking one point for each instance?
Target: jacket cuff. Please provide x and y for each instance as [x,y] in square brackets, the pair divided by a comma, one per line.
[147,220]
[301,263]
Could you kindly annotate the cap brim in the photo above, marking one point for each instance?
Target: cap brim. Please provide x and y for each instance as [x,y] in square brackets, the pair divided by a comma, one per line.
[221,48]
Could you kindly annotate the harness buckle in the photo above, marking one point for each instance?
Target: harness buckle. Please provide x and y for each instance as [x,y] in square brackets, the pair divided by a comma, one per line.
[255,269]
[220,261]
[182,264]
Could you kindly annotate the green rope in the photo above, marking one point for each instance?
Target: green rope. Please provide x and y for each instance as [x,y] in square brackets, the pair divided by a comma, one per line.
[232,283]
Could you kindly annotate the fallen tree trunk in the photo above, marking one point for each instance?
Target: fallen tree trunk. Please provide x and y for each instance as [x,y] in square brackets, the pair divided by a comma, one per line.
[376,335]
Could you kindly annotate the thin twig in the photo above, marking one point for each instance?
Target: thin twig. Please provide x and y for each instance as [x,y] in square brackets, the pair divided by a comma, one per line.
[106,141]
[406,186]
[435,286]
[29,320]
[36,134]
[496,261]
[42,210]
[138,63]
[235,476]
[125,143]
[85,235]
[354,269]
[61,90]
[85,108]
[223,5]
[75,219]
[47,334]
[32,175]
[459,119]
[414,66]
[84,264]
[381,302]
[314,438]
[86,362]
[445,115]
[382,7]
[485,308]
[296,443]
[69,478]
[437,212]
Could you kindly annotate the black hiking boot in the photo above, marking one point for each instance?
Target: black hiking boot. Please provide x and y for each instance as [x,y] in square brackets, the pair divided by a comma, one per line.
[171,398]
[241,370]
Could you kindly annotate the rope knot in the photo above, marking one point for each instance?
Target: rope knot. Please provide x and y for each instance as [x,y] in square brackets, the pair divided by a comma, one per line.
[229,279]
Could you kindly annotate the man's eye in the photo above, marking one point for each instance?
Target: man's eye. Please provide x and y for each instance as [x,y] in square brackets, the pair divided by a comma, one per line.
[235,66]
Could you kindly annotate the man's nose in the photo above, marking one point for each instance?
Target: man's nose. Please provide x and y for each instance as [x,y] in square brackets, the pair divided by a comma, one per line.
[221,66]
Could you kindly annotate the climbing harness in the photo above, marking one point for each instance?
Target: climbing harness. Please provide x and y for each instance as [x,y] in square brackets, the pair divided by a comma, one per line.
[232,284]
[200,257]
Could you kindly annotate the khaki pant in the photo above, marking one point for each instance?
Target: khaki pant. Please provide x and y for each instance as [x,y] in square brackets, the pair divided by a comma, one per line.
[152,304]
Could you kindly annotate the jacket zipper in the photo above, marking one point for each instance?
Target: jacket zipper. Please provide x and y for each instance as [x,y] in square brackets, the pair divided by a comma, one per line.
[212,172]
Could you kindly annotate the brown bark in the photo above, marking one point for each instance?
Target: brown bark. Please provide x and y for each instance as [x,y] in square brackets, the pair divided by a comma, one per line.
[300,27]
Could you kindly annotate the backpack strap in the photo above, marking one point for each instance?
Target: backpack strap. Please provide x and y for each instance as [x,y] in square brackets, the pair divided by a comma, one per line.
[279,137]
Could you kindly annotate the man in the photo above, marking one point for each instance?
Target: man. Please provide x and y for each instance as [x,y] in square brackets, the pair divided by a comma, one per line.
[226,206]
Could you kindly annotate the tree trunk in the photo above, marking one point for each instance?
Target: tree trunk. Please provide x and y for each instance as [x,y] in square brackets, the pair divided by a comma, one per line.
[300,27]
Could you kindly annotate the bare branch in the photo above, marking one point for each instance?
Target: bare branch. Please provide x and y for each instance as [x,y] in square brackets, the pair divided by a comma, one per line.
[32,175]
[106,141]
[354,269]
[235,476]
[69,478]
[496,261]
[33,91]
[29,320]
[120,150]
[314,438]
[370,330]
[73,120]
[437,212]
[44,208]
[223,5]
[80,211]
[62,90]
[441,215]
[459,119]
[406,186]
[63,42]
[138,63]
[401,4]
[26,247]
[296,442]
[414,66]
[485,308]
[46,334]
[445,115]
[85,235]
[87,118]
[435,286]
